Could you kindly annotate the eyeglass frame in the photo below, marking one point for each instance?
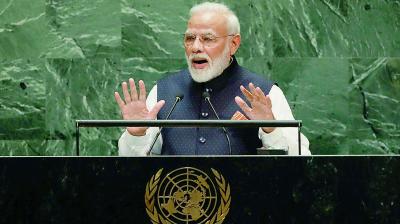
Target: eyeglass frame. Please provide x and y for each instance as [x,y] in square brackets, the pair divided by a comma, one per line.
[201,39]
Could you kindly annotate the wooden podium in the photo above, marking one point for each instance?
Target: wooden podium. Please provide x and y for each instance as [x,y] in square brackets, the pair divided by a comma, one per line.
[234,189]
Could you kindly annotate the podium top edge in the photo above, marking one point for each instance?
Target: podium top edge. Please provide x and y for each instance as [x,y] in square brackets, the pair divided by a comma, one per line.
[189,123]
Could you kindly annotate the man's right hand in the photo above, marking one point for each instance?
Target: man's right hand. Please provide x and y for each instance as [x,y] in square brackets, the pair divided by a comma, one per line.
[134,106]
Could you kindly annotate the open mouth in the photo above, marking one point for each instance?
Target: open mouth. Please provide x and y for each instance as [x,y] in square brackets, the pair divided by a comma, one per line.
[199,63]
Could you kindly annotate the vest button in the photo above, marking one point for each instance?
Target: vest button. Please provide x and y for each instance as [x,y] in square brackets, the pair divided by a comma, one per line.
[202,140]
[204,114]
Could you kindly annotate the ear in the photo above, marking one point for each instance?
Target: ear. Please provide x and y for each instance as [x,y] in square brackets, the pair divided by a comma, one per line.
[235,43]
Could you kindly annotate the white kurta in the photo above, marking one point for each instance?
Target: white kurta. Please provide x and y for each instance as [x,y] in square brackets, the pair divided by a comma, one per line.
[280,138]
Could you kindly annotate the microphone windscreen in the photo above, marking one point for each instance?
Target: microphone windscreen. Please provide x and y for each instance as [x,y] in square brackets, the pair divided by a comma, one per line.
[179,95]
[206,94]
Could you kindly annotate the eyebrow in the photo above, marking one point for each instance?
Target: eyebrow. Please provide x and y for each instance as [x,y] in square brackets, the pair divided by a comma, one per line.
[210,34]
[207,32]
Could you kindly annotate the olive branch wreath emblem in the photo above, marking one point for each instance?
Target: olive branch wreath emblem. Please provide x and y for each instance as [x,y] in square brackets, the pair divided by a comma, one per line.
[217,218]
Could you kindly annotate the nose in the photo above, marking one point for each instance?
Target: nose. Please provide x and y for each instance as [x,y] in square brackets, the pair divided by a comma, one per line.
[197,46]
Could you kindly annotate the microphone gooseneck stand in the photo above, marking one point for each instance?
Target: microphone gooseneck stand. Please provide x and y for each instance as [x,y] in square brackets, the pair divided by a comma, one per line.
[206,97]
[178,98]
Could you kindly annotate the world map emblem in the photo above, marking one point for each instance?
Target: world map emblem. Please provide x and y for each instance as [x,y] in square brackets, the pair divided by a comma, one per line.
[187,195]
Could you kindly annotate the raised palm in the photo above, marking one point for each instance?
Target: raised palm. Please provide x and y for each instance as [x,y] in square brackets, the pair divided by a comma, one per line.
[261,106]
[134,107]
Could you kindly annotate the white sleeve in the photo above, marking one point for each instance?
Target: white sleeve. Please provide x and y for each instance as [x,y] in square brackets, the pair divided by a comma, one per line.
[129,145]
[283,138]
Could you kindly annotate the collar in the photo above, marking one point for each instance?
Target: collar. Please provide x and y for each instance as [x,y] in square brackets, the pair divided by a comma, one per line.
[221,81]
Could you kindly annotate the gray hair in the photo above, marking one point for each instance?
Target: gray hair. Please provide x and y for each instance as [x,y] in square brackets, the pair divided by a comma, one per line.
[232,19]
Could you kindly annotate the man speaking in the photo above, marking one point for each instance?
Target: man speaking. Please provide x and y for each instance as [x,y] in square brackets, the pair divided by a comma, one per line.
[213,87]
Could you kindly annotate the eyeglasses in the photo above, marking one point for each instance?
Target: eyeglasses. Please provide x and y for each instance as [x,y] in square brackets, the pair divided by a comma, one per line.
[207,40]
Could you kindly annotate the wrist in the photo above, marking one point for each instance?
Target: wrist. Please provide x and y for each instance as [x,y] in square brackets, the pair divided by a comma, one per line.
[268,129]
[136,133]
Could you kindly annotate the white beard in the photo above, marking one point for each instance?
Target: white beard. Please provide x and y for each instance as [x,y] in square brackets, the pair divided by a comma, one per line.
[214,68]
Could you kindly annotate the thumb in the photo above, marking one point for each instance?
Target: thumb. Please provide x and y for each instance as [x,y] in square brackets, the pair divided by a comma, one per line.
[153,113]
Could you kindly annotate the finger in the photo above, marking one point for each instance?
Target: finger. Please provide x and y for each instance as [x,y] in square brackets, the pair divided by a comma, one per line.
[120,102]
[142,93]
[132,85]
[252,88]
[246,93]
[153,113]
[126,93]
[253,91]
[243,105]
[268,101]
[260,94]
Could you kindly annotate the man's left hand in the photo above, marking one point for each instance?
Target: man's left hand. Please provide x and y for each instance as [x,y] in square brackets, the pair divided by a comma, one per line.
[261,107]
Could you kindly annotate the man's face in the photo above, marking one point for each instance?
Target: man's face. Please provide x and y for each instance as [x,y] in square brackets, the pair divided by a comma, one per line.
[207,56]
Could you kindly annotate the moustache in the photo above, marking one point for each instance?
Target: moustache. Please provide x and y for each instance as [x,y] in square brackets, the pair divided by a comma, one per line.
[200,56]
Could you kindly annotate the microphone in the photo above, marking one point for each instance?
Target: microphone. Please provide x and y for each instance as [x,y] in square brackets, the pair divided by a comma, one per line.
[206,96]
[178,98]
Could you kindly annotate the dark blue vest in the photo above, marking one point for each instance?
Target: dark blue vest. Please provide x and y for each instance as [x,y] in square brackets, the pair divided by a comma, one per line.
[223,89]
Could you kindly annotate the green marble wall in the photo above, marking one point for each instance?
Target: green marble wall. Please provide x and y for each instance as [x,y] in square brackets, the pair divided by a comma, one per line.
[338,62]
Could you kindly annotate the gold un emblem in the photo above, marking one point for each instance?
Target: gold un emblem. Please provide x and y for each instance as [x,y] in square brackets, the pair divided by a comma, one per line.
[187,195]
